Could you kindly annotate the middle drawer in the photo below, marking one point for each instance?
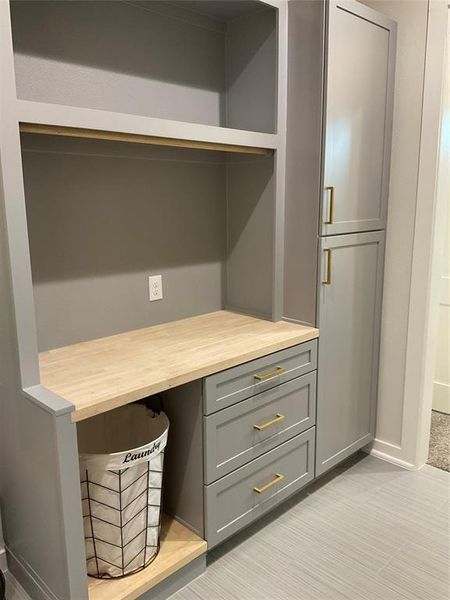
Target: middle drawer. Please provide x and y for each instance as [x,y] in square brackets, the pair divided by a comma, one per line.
[242,432]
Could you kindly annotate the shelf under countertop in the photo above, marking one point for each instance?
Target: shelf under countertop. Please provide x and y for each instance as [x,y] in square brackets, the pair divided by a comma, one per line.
[179,547]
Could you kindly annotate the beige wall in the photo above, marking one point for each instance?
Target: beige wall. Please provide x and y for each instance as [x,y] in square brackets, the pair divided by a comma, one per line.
[396,420]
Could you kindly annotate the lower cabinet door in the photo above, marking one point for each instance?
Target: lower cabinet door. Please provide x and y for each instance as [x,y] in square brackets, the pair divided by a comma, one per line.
[349,322]
[239,498]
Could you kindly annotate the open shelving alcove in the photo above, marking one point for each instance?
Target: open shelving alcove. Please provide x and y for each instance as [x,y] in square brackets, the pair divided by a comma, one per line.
[151,142]
[103,216]
[206,62]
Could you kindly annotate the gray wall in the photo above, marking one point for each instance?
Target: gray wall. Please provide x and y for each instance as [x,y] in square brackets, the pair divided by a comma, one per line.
[252,72]
[102,217]
[132,66]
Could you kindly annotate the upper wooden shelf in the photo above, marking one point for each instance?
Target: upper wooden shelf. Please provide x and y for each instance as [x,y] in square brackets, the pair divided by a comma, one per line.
[134,138]
[102,374]
[179,547]
[69,121]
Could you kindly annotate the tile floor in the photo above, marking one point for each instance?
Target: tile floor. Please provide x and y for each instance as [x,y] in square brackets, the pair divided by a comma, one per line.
[368,531]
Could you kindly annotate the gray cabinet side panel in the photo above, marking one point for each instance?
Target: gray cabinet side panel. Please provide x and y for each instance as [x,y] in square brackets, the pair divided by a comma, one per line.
[349,318]
[41,501]
[303,161]
[183,468]
[15,253]
[251,206]
[38,461]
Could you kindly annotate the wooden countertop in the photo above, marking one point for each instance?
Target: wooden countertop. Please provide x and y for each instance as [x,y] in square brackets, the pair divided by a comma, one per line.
[102,374]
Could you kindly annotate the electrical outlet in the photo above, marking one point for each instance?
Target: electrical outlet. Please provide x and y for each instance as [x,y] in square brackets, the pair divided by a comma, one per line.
[155,291]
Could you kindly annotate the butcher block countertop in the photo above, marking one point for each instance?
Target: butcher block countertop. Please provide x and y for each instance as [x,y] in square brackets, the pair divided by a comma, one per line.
[102,374]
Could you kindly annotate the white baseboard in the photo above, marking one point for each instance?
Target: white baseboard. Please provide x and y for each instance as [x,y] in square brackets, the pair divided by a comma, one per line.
[391,453]
[393,459]
[441,397]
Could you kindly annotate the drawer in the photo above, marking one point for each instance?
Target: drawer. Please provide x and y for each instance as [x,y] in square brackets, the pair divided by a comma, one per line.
[238,383]
[244,495]
[242,432]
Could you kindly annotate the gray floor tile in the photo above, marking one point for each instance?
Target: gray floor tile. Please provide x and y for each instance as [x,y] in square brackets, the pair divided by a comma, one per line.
[368,531]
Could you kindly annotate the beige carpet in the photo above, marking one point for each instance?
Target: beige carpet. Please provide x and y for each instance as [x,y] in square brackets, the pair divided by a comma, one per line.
[439,455]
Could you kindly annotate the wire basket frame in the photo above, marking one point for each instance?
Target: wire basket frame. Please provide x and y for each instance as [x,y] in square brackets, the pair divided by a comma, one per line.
[122,518]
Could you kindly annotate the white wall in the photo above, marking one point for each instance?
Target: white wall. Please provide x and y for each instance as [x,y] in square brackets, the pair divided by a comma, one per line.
[441,385]
[413,173]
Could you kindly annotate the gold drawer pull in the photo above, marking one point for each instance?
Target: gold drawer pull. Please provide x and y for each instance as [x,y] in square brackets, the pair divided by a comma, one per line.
[264,488]
[330,220]
[270,374]
[269,423]
[327,280]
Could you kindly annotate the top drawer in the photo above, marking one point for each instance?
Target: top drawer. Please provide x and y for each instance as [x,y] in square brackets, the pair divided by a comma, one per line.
[233,385]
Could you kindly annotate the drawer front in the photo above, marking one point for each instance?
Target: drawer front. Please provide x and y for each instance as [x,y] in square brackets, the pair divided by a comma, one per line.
[241,497]
[238,383]
[242,432]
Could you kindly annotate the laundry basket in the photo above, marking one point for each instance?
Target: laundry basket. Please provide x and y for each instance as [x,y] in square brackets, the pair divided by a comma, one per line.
[121,469]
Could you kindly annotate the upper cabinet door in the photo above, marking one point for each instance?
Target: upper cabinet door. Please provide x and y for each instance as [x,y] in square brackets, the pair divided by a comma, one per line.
[358,120]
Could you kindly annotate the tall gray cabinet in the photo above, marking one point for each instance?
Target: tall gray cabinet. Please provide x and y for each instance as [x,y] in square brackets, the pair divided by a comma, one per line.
[343,191]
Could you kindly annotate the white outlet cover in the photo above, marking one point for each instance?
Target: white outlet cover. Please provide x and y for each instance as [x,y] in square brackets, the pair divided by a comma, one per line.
[155,291]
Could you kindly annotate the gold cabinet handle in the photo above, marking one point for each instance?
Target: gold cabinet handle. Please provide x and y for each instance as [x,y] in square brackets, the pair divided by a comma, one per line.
[270,374]
[260,490]
[277,419]
[331,189]
[327,281]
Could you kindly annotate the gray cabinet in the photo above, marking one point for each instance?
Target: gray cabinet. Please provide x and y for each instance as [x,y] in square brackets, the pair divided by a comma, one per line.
[358,119]
[349,321]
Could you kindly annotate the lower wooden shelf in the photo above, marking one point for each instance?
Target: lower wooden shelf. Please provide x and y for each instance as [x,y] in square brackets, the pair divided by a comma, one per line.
[179,546]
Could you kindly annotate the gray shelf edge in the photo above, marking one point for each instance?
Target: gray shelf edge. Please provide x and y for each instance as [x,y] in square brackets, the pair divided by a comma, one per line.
[60,115]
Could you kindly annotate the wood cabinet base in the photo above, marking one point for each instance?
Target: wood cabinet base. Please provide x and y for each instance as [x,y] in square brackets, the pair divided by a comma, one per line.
[179,547]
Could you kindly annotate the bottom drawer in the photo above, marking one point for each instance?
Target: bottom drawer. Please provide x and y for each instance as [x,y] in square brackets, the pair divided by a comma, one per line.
[244,495]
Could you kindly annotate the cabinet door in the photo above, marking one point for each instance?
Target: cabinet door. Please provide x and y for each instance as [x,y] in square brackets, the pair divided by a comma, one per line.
[349,323]
[358,122]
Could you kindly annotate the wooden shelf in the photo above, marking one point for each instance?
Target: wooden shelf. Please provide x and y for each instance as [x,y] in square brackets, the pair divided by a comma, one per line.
[55,119]
[96,134]
[179,546]
[102,374]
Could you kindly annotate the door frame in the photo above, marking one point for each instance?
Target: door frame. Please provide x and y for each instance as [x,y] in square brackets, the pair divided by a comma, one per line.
[434,183]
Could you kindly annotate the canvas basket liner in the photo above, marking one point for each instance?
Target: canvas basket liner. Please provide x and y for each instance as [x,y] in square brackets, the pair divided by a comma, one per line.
[121,468]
